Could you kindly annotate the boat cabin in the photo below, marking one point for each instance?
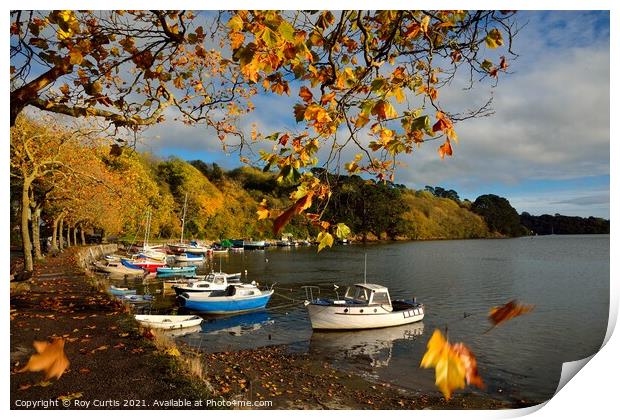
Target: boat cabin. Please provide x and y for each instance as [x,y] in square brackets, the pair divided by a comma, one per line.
[367,294]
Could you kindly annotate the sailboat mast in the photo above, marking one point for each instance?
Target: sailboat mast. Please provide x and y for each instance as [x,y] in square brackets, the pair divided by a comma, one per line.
[146,230]
[365,257]
[183,219]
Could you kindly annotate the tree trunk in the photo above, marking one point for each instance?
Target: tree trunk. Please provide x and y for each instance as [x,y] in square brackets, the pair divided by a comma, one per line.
[26,243]
[82,236]
[61,240]
[68,235]
[36,231]
[55,234]
[75,229]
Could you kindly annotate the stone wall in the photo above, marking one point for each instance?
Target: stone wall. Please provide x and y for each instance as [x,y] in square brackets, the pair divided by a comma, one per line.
[87,255]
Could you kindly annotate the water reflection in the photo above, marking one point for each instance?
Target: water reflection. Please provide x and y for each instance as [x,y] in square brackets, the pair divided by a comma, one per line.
[374,346]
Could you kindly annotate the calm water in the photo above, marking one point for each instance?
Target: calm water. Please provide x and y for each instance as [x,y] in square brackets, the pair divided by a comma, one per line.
[566,277]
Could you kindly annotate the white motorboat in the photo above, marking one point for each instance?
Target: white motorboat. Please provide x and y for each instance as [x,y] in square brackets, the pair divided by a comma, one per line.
[168,322]
[210,282]
[363,306]
[189,257]
[119,268]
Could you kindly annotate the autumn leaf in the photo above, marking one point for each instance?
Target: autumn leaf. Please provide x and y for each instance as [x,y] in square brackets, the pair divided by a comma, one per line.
[300,205]
[512,309]
[50,358]
[305,94]
[449,369]
[470,365]
[445,149]
[324,239]
[70,397]
[494,38]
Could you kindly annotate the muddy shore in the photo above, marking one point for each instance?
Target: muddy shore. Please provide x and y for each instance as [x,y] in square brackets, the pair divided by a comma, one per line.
[116,365]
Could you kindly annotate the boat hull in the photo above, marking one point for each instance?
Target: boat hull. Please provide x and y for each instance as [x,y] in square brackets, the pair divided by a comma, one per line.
[325,317]
[168,322]
[225,305]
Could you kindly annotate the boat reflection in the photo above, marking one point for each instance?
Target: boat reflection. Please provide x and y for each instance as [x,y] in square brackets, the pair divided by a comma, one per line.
[236,325]
[373,346]
[180,332]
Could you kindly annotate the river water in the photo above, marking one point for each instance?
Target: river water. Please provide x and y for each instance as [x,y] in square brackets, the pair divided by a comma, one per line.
[565,277]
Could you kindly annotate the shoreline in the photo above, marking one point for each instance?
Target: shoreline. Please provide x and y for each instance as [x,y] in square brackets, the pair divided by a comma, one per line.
[105,346]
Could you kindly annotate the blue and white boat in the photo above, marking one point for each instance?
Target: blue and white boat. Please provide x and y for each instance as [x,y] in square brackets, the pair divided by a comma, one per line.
[210,282]
[188,270]
[234,299]
[120,291]
[189,257]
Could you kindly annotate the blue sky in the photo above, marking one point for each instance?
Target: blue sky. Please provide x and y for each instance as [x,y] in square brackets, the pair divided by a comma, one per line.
[546,148]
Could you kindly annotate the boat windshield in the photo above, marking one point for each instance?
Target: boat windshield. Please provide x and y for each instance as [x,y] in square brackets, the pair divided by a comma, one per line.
[357,293]
[381,298]
[216,279]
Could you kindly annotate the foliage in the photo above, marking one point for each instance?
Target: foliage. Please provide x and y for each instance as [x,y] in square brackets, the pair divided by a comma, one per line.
[443,193]
[125,67]
[374,73]
[564,225]
[499,215]
[429,217]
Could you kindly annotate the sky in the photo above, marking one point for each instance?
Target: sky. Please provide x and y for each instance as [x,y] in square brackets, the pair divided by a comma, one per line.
[546,148]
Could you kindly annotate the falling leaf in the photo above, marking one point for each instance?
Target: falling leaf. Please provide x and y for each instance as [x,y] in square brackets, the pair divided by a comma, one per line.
[512,309]
[449,368]
[50,358]
[469,363]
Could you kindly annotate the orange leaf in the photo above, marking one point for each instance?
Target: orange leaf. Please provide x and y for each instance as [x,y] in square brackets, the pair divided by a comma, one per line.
[469,362]
[50,358]
[445,149]
[512,309]
[300,205]
[305,94]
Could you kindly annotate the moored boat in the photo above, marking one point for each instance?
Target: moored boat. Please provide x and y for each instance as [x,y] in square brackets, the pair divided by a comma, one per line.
[120,291]
[189,257]
[210,282]
[172,271]
[253,245]
[234,299]
[119,268]
[146,263]
[168,322]
[363,306]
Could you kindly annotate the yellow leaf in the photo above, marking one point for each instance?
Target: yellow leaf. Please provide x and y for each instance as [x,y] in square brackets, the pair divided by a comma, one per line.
[449,368]
[75,57]
[324,239]
[173,351]
[262,213]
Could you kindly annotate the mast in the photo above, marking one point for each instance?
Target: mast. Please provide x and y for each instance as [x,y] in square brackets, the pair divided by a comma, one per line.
[146,230]
[183,219]
[365,257]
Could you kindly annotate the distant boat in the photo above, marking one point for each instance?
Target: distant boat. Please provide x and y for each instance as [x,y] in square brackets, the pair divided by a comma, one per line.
[119,291]
[254,245]
[172,271]
[236,298]
[119,268]
[189,257]
[133,298]
[168,322]
[363,306]
[148,264]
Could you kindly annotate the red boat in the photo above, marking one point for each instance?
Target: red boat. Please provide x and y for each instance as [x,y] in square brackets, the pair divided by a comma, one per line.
[148,264]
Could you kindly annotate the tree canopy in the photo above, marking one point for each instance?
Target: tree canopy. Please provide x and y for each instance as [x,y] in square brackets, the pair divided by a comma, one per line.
[366,80]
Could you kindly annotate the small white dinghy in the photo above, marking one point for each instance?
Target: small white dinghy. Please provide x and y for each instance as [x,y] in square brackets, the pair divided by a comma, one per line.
[168,322]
